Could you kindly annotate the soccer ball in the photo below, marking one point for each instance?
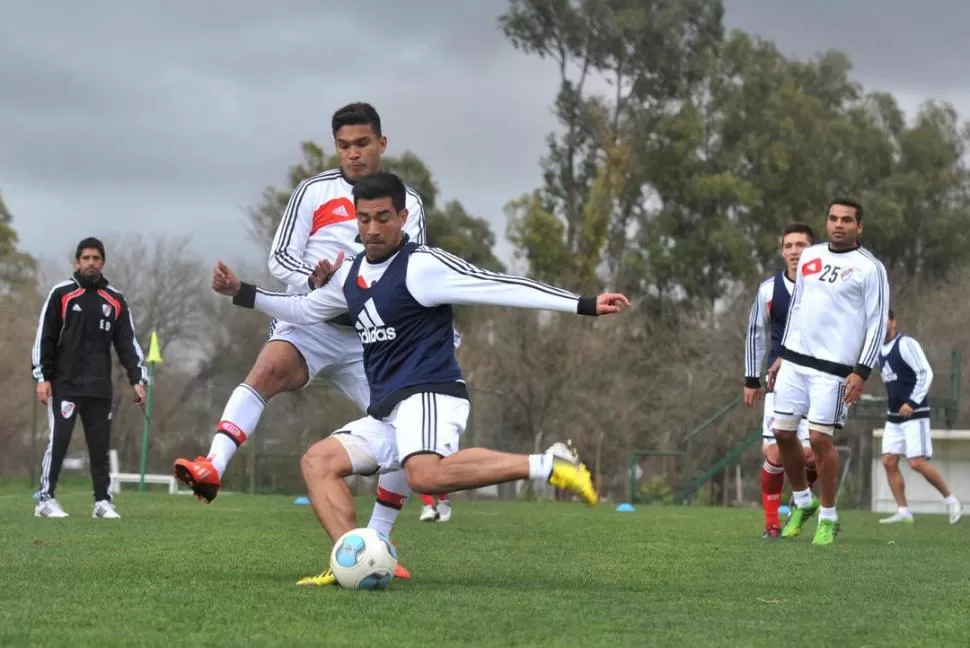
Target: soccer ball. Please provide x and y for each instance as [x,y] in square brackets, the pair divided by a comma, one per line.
[363,559]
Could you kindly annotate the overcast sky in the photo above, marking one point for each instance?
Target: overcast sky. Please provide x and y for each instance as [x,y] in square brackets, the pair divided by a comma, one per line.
[172,117]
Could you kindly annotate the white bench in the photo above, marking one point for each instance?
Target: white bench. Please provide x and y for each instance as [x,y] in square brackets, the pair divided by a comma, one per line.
[117,477]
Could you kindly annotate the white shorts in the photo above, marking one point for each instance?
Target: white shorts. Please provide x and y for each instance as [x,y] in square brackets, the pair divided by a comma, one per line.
[331,352]
[810,393]
[910,438]
[768,424]
[424,423]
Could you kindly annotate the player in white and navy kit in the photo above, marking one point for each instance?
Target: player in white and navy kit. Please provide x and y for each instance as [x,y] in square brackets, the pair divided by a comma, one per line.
[766,325]
[400,296]
[836,326]
[907,375]
[319,223]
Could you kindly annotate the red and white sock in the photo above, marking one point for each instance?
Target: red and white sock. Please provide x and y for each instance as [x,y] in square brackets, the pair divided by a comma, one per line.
[239,421]
[392,495]
[772,483]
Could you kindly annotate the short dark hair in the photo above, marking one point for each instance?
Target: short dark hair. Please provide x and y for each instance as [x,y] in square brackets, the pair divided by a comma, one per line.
[381,184]
[355,114]
[89,243]
[846,202]
[892,315]
[799,228]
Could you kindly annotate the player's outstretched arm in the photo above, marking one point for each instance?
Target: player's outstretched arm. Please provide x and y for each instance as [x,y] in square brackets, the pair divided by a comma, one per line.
[321,305]
[436,277]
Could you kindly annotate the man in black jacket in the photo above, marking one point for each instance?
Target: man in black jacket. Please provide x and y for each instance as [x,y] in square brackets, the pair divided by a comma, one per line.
[80,321]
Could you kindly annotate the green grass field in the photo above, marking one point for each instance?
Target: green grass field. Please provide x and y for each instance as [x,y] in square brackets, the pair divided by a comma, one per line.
[175,572]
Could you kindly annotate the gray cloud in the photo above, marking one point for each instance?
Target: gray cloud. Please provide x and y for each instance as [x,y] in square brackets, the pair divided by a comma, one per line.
[172,117]
[894,44]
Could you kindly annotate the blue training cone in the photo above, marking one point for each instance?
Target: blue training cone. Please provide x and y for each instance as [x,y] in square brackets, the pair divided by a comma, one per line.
[625,507]
[302,500]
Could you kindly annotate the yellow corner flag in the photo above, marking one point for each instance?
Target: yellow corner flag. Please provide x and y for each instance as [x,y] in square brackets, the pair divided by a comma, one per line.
[154,352]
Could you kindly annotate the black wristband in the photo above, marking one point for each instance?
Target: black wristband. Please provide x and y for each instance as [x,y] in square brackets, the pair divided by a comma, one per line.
[862,371]
[586,306]
[246,297]
[752,382]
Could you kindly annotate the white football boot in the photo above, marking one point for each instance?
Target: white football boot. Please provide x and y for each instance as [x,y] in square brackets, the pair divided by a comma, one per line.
[563,451]
[50,509]
[105,510]
[428,514]
[895,518]
[444,510]
[955,511]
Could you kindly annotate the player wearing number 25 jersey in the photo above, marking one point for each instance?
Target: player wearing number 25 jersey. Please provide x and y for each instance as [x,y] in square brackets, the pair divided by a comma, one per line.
[836,326]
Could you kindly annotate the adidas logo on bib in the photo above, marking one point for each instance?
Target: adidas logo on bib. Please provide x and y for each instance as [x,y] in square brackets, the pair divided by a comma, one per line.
[371,328]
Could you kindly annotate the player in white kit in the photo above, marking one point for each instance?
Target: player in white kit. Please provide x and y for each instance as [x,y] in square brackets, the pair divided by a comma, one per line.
[766,326]
[907,376]
[836,326]
[320,223]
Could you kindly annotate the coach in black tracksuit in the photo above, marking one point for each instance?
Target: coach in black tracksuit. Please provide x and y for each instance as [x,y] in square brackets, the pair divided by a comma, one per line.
[80,321]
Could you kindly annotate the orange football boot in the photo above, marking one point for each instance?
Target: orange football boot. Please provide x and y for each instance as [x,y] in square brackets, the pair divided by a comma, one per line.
[199,475]
[401,572]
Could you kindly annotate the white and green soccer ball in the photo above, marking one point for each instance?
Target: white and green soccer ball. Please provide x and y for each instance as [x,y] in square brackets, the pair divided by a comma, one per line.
[363,559]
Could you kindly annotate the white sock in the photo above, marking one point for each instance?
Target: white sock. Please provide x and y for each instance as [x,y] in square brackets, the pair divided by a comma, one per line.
[221,451]
[904,511]
[826,513]
[239,420]
[540,466]
[803,498]
[950,499]
[392,495]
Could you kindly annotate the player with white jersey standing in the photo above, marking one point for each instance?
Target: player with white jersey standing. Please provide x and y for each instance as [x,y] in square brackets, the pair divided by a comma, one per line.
[319,223]
[907,375]
[766,326]
[836,326]
[400,295]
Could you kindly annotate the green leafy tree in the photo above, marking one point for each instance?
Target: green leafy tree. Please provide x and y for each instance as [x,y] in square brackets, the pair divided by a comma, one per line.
[17,268]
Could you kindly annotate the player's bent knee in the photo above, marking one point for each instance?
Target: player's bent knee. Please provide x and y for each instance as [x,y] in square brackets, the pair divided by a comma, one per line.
[278,368]
[890,461]
[325,459]
[783,437]
[917,463]
[423,474]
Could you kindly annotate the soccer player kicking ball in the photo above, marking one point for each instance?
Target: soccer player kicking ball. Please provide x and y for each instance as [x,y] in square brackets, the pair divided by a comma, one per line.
[318,223]
[766,326]
[907,375]
[836,326]
[400,296]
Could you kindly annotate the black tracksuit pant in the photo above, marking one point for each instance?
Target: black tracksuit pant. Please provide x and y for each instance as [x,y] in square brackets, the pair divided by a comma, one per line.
[62,413]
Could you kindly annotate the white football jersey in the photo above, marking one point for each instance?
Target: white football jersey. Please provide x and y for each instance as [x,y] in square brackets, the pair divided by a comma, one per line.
[839,308]
[319,222]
